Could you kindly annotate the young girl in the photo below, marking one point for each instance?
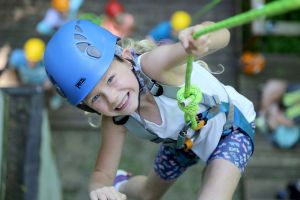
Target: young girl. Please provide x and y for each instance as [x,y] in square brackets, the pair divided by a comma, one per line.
[133,88]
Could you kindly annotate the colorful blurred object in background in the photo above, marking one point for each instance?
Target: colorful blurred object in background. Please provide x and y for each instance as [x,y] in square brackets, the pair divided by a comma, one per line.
[252,63]
[167,31]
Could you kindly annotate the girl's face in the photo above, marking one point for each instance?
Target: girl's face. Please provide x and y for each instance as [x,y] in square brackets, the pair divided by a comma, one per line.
[117,93]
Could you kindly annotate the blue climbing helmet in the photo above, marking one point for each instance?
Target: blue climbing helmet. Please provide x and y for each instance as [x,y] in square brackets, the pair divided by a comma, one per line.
[77,57]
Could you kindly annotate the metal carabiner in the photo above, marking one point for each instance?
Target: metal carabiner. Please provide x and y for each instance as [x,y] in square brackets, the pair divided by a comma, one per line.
[182,136]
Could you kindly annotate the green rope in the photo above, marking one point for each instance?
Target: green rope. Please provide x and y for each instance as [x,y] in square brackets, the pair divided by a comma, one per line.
[205,9]
[190,96]
[188,74]
[271,9]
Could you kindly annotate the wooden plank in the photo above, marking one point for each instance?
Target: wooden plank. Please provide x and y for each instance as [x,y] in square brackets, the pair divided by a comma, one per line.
[269,27]
[23,143]
[263,189]
[3,123]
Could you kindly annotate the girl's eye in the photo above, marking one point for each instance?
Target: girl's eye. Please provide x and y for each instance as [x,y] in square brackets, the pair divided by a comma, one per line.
[110,79]
[95,98]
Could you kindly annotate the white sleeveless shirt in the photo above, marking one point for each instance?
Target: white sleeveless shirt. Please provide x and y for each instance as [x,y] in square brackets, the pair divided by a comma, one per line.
[173,118]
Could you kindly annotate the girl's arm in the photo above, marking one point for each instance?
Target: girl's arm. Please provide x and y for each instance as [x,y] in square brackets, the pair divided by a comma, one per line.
[109,155]
[166,60]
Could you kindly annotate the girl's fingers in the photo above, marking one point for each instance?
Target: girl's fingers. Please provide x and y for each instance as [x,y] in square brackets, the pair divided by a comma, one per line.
[93,195]
[185,36]
[107,193]
[185,40]
[123,197]
[102,196]
[113,194]
[191,45]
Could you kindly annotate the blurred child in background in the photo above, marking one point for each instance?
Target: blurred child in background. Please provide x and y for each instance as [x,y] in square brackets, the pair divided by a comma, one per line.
[279,114]
[28,62]
[167,31]
[60,12]
[30,67]
[117,20]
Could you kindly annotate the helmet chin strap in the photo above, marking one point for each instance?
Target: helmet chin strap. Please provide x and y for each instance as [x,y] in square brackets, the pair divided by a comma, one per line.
[136,72]
[142,86]
[142,90]
[86,108]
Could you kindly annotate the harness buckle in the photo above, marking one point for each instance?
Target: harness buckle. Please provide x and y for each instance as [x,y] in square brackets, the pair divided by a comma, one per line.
[120,120]
[200,124]
[182,136]
[188,144]
[201,120]
[156,89]
[216,99]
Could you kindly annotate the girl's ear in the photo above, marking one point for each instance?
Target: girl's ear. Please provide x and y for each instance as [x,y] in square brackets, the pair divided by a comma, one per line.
[126,54]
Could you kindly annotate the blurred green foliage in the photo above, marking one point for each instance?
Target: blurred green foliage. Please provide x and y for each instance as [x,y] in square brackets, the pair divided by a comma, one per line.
[291,16]
[272,43]
[279,44]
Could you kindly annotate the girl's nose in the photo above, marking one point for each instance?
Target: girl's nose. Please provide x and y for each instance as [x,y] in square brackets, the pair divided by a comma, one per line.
[111,96]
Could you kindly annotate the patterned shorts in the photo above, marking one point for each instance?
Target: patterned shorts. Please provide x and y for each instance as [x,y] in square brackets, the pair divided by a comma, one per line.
[235,147]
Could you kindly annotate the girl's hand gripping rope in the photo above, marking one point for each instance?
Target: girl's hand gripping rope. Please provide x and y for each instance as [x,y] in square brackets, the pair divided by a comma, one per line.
[107,193]
[197,47]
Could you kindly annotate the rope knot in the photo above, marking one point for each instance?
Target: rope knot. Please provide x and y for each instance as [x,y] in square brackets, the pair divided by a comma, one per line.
[190,105]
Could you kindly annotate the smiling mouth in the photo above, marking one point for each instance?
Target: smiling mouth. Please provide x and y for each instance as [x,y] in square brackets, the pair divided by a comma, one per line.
[123,103]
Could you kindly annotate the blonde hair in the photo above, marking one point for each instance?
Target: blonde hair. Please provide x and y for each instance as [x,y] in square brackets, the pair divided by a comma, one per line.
[205,66]
[140,47]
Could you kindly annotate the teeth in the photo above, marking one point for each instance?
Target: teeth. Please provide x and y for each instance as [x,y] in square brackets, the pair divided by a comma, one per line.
[123,102]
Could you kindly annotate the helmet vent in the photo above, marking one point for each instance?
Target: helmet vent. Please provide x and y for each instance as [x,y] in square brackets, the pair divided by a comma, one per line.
[90,50]
[77,28]
[93,51]
[82,46]
[79,37]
